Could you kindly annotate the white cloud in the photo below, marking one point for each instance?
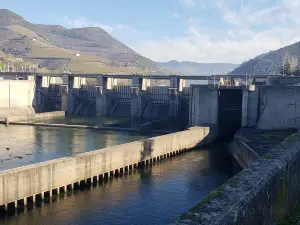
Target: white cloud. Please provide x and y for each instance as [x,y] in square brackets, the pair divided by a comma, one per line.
[193,4]
[249,30]
[201,48]
[175,15]
[248,16]
[242,31]
[188,3]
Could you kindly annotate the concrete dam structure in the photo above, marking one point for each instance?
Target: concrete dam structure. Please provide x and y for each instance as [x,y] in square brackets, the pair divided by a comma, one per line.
[222,107]
[106,97]
[16,97]
[268,186]
[138,100]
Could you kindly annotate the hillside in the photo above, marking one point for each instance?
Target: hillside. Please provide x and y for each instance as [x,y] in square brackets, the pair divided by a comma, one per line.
[271,62]
[89,50]
[193,68]
[11,63]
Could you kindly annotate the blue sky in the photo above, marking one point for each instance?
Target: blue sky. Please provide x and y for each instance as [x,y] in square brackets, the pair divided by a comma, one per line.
[194,30]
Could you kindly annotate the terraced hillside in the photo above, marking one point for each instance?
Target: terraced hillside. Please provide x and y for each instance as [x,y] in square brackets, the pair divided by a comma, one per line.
[88,50]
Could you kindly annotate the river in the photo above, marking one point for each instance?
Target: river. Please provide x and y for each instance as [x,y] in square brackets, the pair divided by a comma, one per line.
[22,145]
[155,194]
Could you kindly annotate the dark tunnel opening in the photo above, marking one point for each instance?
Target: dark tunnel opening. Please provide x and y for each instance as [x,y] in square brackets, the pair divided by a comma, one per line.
[230,112]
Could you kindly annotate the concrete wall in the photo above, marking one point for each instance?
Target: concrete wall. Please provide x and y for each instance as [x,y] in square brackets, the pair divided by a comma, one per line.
[250,106]
[279,107]
[27,181]
[262,194]
[279,80]
[243,153]
[203,105]
[16,97]
[36,116]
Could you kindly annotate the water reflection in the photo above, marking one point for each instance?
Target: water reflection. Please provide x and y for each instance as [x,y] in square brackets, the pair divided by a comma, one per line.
[153,195]
[22,145]
[105,122]
[80,120]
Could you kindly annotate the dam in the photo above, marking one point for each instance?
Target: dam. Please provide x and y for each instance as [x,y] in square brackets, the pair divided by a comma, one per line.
[244,117]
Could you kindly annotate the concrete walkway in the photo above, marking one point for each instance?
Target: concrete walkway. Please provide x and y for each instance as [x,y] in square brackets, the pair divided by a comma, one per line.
[262,141]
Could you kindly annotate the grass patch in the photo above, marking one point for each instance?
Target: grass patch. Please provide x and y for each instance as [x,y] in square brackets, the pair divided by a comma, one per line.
[293,219]
[267,156]
[293,137]
[210,197]
[269,135]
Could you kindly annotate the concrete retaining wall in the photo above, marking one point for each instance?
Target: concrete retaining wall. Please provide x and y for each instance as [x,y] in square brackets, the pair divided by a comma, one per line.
[203,107]
[16,97]
[243,153]
[262,194]
[279,107]
[280,80]
[23,182]
[36,116]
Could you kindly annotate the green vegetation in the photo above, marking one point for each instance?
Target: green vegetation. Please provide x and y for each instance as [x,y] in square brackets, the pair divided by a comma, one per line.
[293,219]
[273,62]
[210,197]
[269,135]
[288,69]
[267,156]
[280,199]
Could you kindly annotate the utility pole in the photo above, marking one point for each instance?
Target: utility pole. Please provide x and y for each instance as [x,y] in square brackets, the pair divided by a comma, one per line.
[214,80]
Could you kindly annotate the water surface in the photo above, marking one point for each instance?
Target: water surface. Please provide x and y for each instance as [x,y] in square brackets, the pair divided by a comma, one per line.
[152,195]
[23,145]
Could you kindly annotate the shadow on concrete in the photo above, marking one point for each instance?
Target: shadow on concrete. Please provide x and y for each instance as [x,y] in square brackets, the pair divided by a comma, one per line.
[147,149]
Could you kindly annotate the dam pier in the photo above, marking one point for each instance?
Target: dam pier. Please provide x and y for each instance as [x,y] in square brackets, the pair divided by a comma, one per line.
[260,119]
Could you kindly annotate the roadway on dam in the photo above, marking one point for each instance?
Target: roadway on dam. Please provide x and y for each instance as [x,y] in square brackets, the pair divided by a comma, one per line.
[154,194]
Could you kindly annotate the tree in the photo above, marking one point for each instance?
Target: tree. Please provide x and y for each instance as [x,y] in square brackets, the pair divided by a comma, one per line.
[286,69]
[296,72]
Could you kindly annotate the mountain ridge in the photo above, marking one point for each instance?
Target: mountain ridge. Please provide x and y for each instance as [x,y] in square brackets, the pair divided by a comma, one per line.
[270,63]
[195,68]
[57,48]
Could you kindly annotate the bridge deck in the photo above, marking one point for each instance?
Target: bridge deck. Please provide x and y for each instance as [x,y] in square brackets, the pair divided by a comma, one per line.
[130,76]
